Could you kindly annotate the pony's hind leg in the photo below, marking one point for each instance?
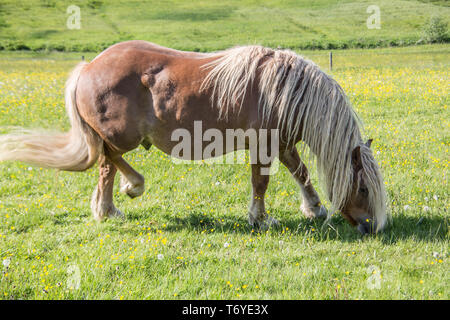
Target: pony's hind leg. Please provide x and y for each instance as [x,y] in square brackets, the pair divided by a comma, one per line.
[257,216]
[132,182]
[137,188]
[102,205]
[311,205]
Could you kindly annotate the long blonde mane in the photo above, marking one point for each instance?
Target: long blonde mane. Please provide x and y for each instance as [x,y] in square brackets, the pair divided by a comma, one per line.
[307,103]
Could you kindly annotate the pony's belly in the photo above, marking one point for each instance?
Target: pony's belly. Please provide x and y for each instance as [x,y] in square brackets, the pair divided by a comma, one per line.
[190,148]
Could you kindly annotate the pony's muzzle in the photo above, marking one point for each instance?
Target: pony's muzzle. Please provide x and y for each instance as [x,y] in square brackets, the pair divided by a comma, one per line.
[367,226]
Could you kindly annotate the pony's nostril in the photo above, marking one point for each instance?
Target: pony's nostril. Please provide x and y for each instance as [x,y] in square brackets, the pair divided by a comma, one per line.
[363,229]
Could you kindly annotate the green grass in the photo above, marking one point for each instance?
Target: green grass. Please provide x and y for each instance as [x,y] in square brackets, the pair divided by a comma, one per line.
[195,216]
[212,25]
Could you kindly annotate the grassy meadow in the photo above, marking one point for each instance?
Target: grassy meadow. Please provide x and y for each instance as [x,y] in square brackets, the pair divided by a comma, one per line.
[187,237]
[210,25]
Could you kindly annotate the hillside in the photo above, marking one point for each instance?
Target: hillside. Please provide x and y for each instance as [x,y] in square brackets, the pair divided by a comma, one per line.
[211,25]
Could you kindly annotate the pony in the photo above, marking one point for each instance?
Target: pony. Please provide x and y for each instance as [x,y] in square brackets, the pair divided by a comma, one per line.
[138,93]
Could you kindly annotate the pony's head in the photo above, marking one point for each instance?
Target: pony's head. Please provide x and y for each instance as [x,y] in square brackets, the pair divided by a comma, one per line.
[365,207]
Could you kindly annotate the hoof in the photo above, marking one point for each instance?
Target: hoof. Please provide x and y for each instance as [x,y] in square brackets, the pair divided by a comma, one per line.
[112,213]
[131,190]
[314,212]
[116,214]
[262,224]
[102,211]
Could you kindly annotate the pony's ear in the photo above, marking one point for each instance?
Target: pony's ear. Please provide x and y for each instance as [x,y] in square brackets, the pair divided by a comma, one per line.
[369,143]
[356,158]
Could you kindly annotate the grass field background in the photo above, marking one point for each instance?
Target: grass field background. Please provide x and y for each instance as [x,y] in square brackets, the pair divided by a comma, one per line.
[187,237]
[211,25]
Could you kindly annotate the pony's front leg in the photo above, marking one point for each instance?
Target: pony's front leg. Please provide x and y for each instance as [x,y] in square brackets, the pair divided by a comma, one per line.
[102,205]
[257,216]
[311,205]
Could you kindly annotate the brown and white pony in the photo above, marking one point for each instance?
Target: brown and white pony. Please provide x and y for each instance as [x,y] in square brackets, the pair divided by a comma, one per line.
[136,92]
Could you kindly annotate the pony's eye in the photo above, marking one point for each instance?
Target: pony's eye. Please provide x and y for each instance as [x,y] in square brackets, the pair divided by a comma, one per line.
[363,190]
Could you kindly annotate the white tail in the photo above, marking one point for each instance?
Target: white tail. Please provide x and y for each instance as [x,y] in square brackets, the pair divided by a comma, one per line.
[76,150]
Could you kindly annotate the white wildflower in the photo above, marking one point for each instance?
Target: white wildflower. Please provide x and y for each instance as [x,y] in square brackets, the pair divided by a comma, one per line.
[6,262]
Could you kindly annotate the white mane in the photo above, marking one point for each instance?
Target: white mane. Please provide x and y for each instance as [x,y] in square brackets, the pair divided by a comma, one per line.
[307,103]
